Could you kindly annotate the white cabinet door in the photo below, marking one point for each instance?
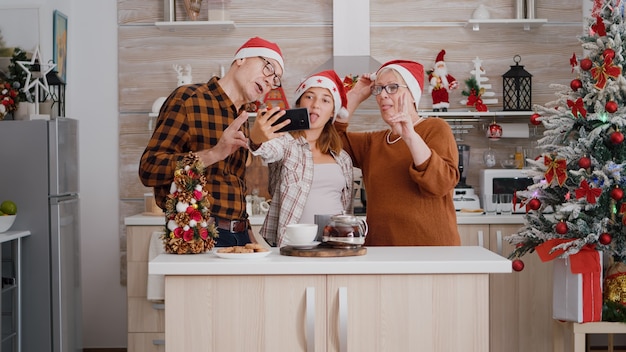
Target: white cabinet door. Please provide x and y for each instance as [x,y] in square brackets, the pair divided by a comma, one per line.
[245,313]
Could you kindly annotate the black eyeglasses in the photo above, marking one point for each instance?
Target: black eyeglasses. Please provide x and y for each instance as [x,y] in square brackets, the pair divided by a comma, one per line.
[268,71]
[390,88]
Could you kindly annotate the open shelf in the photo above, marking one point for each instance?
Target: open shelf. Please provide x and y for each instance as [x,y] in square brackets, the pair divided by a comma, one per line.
[430,113]
[526,24]
[172,26]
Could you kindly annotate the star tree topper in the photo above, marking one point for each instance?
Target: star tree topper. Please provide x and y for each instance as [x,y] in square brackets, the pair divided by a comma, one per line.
[44,69]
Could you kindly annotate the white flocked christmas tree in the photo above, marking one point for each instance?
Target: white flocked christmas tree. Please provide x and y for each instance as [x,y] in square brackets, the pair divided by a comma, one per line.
[577,200]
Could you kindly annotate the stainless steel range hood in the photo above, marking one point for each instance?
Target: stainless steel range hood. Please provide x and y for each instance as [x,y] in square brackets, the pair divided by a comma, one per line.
[351,39]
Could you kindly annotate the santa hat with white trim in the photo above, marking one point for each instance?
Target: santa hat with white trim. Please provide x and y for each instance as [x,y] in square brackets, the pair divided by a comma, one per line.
[258,46]
[329,80]
[412,73]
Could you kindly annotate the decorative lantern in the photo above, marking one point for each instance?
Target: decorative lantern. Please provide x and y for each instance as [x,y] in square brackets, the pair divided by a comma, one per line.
[57,91]
[517,88]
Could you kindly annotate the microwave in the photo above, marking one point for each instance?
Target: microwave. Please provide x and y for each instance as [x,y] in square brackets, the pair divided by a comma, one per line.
[498,181]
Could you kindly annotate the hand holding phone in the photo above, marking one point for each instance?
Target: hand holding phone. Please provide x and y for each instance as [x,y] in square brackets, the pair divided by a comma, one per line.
[299,120]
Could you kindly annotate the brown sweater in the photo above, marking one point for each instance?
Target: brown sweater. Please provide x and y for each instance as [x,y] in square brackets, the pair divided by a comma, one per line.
[407,204]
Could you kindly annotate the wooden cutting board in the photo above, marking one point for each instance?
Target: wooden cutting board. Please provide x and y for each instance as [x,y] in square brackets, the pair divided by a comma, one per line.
[323,251]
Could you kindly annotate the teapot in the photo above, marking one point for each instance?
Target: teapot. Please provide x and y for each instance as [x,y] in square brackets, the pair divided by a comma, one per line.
[345,230]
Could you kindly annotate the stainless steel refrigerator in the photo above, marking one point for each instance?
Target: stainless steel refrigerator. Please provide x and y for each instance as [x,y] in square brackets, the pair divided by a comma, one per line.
[39,172]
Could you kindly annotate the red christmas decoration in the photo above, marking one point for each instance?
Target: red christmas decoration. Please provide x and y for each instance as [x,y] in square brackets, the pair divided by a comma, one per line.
[617,137]
[598,27]
[610,106]
[608,54]
[584,162]
[494,132]
[602,73]
[576,84]
[561,228]
[557,169]
[534,119]
[586,64]
[573,62]
[617,193]
[578,107]
[534,204]
[586,191]
[517,265]
[605,238]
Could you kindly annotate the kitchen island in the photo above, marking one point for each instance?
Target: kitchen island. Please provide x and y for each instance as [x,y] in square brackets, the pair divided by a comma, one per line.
[391,299]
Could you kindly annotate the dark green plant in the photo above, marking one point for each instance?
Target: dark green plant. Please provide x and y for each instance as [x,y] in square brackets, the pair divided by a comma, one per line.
[18,76]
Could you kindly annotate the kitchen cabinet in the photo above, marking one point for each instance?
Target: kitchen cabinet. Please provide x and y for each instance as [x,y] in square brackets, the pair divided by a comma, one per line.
[520,304]
[146,319]
[392,299]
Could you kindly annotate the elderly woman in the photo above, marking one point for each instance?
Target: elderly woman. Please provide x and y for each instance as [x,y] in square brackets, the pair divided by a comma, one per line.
[409,170]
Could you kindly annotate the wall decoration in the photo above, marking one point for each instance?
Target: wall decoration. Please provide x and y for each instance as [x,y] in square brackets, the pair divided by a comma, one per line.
[19,28]
[59,44]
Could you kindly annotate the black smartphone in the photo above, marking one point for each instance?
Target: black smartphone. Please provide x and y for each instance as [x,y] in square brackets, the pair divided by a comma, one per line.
[299,120]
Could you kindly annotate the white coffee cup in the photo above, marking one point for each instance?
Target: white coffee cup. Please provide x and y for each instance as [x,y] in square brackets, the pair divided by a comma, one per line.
[264,207]
[300,234]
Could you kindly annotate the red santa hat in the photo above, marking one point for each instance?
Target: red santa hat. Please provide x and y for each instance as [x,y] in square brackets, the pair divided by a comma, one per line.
[412,73]
[329,80]
[440,56]
[258,46]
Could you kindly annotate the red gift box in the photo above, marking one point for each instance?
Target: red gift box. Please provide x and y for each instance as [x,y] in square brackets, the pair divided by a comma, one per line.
[577,283]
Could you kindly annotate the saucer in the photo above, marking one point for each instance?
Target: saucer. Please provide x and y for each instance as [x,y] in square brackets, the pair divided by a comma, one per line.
[305,245]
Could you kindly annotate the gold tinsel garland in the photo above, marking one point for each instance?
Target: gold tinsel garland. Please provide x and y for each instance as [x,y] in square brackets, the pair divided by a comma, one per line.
[190,230]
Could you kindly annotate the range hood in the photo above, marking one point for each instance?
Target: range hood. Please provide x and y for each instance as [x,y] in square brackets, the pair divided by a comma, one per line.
[351,39]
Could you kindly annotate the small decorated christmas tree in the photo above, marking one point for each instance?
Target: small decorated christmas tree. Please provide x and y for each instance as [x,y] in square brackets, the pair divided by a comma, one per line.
[478,89]
[577,204]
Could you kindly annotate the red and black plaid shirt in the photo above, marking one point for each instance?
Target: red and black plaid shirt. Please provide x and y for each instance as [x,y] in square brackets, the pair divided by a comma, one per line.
[193,118]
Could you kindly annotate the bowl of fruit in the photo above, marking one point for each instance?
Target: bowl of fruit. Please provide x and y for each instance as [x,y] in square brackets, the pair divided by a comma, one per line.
[8,213]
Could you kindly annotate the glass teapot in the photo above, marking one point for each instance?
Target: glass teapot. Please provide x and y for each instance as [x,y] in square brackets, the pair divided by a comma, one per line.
[345,229]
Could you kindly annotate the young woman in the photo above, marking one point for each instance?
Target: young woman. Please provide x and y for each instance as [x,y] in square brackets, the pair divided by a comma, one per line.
[310,173]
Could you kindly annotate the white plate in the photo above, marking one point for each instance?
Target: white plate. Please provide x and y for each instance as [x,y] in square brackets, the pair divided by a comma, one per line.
[461,213]
[253,255]
[305,246]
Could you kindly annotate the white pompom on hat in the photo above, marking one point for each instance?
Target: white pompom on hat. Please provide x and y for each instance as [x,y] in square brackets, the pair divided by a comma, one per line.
[413,74]
[258,46]
[329,80]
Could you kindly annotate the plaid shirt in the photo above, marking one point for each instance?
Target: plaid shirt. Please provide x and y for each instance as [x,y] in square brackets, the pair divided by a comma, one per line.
[193,118]
[290,179]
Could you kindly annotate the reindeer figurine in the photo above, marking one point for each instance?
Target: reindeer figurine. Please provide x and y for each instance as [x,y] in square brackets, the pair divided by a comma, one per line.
[184,75]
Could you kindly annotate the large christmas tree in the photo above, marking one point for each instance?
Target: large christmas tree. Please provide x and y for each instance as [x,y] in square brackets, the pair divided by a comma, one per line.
[577,201]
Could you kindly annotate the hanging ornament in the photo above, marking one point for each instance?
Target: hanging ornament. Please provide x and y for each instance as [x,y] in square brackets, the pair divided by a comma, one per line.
[573,62]
[584,162]
[588,192]
[494,132]
[578,107]
[534,119]
[605,238]
[603,72]
[561,227]
[517,265]
[617,138]
[598,27]
[557,170]
[610,106]
[576,84]
[617,193]
[608,54]
[534,204]
[586,64]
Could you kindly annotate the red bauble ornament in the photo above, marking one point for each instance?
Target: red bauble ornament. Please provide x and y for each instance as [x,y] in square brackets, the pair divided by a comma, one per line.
[610,106]
[534,204]
[617,137]
[576,84]
[533,119]
[617,193]
[561,228]
[608,54]
[605,238]
[517,265]
[584,162]
[494,132]
[586,64]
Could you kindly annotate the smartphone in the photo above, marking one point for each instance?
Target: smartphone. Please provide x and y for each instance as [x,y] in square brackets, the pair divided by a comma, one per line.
[299,120]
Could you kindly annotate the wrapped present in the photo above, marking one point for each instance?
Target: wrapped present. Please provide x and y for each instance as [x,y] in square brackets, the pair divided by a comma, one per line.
[577,283]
